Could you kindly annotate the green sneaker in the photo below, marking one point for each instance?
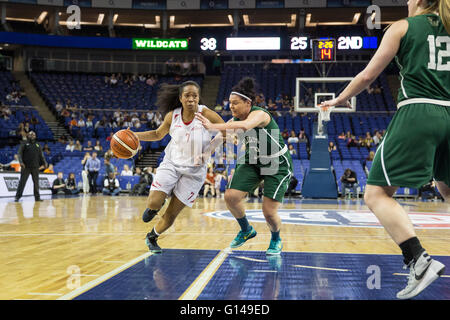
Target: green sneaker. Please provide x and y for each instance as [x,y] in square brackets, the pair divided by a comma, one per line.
[242,237]
[274,247]
[152,244]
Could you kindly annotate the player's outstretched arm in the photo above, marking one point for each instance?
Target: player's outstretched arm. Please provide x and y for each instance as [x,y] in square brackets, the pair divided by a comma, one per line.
[254,119]
[386,52]
[158,134]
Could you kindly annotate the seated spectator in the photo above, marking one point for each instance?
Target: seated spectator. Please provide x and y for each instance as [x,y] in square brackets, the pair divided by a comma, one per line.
[302,136]
[292,185]
[88,146]
[71,184]
[285,134]
[349,181]
[46,150]
[341,136]
[81,123]
[377,138]
[71,146]
[293,137]
[428,191]
[368,140]
[78,146]
[368,159]
[209,183]
[58,107]
[145,181]
[126,171]
[14,164]
[331,146]
[351,142]
[292,151]
[49,169]
[111,186]
[59,185]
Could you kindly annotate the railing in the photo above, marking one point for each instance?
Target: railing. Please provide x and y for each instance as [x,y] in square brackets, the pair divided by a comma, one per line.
[104,66]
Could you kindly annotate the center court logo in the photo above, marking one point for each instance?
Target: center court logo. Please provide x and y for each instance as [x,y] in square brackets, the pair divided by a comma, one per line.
[341,218]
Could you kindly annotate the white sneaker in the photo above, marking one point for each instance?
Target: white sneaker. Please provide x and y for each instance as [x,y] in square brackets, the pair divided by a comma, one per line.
[421,275]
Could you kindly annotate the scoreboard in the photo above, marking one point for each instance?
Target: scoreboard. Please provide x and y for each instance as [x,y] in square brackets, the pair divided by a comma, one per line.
[323,50]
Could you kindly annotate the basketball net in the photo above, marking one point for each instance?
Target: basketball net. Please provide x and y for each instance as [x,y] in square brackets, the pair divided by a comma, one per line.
[324,116]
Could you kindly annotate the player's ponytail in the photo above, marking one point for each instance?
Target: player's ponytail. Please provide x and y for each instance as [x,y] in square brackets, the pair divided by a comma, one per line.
[246,87]
[168,98]
[444,12]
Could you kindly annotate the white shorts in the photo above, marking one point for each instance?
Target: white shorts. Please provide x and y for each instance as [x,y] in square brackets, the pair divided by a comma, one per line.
[184,182]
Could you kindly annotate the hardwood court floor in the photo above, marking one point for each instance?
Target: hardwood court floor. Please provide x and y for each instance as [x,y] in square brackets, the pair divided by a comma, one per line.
[43,244]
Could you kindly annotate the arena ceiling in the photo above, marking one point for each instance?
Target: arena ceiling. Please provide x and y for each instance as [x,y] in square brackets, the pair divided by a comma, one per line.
[202,18]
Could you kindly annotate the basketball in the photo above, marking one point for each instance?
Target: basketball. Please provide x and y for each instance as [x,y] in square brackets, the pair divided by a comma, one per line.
[124,144]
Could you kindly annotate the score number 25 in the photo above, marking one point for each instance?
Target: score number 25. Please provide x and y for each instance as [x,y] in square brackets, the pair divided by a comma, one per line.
[299,43]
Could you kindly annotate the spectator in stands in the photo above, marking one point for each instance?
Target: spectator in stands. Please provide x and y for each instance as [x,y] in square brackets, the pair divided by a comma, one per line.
[84,172]
[71,184]
[331,146]
[377,138]
[218,181]
[428,191]
[145,180]
[370,90]
[109,167]
[59,185]
[58,107]
[230,176]
[351,142]
[14,165]
[93,167]
[157,120]
[81,123]
[49,169]
[361,142]
[368,140]
[349,181]
[111,186]
[78,146]
[292,151]
[292,185]
[285,134]
[46,150]
[5,112]
[368,160]
[209,183]
[108,138]
[341,136]
[126,171]
[34,120]
[113,81]
[65,113]
[71,146]
[293,137]
[89,121]
[302,136]
[88,146]
[98,147]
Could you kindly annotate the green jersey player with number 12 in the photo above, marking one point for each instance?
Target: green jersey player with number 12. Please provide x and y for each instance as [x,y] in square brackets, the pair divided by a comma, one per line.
[416,147]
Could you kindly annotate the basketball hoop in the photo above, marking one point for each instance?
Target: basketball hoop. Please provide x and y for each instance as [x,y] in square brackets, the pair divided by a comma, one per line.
[324,113]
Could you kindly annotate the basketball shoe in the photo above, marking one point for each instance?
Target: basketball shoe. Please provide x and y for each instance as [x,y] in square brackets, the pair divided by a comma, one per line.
[242,237]
[421,274]
[152,244]
[275,247]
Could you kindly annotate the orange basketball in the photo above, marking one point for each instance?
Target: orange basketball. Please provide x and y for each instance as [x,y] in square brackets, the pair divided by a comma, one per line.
[124,144]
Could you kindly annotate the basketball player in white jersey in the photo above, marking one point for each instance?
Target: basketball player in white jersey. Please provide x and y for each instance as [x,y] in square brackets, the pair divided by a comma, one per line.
[179,174]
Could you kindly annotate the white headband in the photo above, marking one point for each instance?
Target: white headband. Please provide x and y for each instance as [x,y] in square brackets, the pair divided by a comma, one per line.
[242,95]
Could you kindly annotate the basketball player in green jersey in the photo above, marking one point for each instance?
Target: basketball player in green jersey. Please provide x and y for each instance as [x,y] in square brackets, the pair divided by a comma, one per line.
[416,146]
[266,159]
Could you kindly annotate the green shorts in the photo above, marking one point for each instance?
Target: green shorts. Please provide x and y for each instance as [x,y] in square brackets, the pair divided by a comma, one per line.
[415,149]
[247,178]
